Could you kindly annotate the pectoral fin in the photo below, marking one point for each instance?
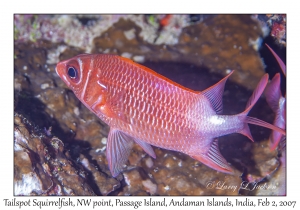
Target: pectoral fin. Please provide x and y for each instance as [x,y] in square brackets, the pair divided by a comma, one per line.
[213,158]
[110,106]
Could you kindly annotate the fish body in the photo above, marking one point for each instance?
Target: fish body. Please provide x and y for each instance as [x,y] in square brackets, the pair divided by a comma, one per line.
[144,107]
[277,102]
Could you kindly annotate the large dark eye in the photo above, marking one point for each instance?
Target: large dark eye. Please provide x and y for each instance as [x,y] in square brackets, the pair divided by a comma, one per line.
[72,72]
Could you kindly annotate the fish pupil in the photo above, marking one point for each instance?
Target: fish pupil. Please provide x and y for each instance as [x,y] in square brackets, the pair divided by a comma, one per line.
[72,72]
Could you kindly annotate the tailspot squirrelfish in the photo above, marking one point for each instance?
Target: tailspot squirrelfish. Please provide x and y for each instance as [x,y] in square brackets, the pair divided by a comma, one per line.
[144,107]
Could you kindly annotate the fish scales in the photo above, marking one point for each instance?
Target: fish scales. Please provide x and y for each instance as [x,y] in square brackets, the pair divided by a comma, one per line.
[159,103]
[144,107]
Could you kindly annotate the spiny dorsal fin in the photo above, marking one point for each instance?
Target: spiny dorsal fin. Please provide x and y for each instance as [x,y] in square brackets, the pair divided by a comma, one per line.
[215,93]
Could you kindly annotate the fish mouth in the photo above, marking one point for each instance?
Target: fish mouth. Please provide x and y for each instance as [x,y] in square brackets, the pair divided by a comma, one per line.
[59,68]
[58,72]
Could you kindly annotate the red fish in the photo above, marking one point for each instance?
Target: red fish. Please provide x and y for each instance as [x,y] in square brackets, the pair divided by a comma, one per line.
[144,107]
[277,102]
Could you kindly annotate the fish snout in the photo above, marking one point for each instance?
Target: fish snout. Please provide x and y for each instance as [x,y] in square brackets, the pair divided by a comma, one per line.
[60,67]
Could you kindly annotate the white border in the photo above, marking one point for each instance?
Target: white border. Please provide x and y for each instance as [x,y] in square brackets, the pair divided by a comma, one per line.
[8,8]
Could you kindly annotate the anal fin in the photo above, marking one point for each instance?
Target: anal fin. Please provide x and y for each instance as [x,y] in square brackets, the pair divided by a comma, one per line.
[213,158]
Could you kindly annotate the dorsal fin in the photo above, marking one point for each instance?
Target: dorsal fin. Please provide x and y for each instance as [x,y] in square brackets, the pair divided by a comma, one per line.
[215,93]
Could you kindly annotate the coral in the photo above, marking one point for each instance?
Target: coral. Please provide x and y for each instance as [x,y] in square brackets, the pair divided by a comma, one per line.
[276,23]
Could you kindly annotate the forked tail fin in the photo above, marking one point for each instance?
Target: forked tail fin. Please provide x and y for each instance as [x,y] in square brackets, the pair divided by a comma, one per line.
[255,121]
[251,102]
[280,62]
